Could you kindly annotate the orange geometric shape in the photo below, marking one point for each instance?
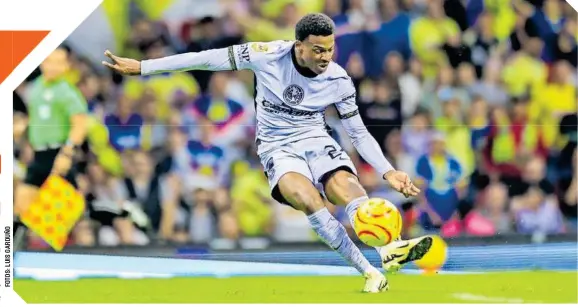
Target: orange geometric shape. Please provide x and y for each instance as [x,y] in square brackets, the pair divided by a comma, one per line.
[17,44]
[49,230]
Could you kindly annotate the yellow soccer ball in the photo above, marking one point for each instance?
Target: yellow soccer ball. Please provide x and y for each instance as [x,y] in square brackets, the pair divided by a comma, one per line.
[377,222]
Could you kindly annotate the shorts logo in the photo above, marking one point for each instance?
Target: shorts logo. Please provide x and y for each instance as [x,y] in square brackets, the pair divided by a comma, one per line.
[243,53]
[293,95]
[270,168]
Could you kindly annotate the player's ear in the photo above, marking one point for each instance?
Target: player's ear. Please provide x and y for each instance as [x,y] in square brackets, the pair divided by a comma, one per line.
[298,44]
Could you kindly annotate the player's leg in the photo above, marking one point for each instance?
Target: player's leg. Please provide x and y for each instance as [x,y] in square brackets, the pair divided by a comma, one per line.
[300,192]
[342,188]
[335,171]
[291,182]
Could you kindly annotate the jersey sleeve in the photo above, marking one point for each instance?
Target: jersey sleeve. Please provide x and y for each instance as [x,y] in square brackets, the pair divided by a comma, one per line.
[252,55]
[346,99]
[362,140]
[75,103]
[236,57]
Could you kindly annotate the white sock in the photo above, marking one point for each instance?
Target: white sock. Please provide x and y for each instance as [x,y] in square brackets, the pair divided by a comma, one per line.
[351,210]
[335,235]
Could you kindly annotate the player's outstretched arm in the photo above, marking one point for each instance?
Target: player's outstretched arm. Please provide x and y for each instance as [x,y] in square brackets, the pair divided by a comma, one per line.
[368,147]
[213,60]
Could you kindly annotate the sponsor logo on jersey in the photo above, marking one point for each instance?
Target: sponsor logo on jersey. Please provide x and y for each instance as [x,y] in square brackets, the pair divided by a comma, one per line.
[243,53]
[259,47]
[293,95]
[272,108]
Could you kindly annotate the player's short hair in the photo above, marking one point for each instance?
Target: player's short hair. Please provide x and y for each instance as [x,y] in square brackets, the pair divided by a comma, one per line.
[314,24]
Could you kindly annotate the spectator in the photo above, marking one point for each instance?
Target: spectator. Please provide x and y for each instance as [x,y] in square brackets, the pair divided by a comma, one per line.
[106,202]
[228,117]
[356,70]
[393,66]
[168,89]
[537,214]
[349,38]
[416,134]
[534,175]
[554,100]
[511,142]
[383,115]
[252,202]
[153,131]
[443,88]
[482,41]
[490,87]
[458,136]
[438,173]
[124,126]
[478,123]
[549,21]
[524,71]
[392,35]
[262,30]
[200,163]
[494,207]
[410,86]
[151,194]
[429,33]
[565,44]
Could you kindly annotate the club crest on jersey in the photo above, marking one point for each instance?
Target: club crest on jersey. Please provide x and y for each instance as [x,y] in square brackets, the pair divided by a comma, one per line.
[293,95]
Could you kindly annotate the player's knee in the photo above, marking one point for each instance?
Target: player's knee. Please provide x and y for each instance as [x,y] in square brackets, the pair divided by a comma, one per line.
[343,187]
[306,200]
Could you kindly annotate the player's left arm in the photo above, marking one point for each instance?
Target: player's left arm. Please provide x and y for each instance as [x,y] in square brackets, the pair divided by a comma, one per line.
[76,109]
[366,144]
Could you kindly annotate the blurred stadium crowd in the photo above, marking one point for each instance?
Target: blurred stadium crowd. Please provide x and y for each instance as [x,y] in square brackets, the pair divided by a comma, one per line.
[476,99]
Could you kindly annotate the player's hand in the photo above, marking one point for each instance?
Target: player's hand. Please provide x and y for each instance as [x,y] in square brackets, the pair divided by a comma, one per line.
[62,164]
[123,66]
[400,182]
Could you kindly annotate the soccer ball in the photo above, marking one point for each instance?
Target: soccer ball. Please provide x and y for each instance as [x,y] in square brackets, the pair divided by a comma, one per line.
[377,222]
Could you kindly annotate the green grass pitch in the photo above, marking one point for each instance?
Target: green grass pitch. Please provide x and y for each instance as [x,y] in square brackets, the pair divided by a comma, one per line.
[515,287]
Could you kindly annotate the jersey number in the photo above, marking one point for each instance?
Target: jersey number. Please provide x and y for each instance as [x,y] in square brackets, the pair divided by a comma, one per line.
[333,152]
[44,112]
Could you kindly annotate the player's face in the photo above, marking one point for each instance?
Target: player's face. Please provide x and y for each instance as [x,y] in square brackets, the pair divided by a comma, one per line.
[55,65]
[317,52]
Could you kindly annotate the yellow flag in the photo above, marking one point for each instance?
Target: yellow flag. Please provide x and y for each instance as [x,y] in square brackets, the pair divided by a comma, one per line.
[55,212]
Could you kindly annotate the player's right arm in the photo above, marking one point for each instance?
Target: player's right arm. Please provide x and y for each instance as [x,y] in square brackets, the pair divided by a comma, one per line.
[236,57]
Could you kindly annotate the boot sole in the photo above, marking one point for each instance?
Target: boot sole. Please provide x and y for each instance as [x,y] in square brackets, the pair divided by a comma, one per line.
[418,251]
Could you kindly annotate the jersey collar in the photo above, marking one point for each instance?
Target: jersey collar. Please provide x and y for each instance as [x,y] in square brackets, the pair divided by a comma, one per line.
[304,71]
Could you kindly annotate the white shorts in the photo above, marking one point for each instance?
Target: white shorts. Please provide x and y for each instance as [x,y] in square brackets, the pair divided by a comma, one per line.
[313,158]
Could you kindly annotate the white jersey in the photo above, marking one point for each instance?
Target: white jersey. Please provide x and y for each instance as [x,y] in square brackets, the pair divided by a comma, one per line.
[290,106]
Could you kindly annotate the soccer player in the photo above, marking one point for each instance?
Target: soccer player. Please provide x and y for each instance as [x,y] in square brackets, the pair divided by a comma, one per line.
[57,126]
[295,82]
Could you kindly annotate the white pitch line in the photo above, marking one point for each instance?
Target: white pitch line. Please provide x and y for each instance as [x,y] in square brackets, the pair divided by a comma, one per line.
[489,299]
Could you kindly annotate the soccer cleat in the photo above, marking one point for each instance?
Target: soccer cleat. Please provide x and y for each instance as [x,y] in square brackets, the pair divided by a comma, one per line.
[397,253]
[375,282]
